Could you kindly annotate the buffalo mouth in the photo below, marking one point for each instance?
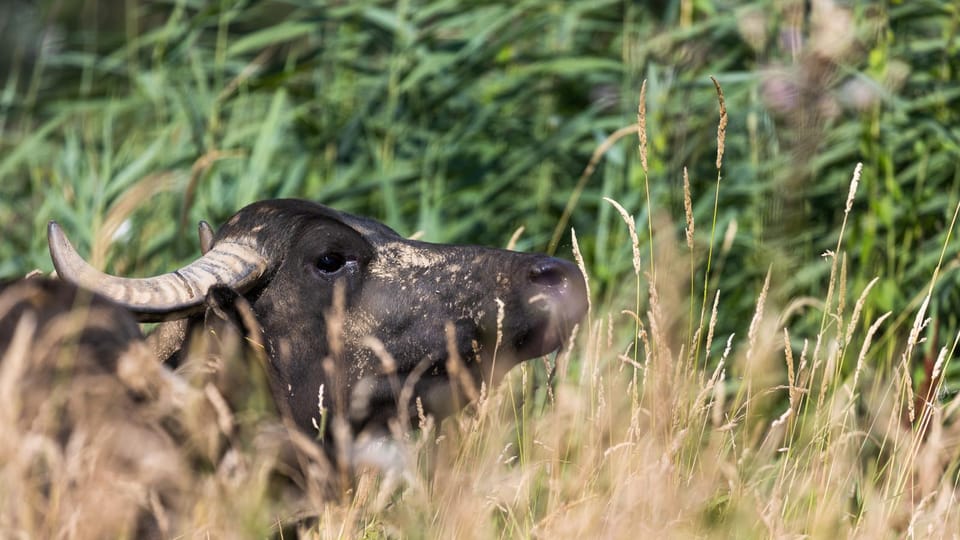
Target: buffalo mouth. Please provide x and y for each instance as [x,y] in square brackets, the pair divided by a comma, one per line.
[557,304]
[554,329]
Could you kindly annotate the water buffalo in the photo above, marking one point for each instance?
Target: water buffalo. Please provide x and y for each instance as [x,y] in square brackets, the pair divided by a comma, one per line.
[85,405]
[359,324]
[100,440]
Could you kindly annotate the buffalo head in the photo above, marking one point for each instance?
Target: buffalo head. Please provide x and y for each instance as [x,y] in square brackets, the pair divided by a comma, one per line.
[359,321]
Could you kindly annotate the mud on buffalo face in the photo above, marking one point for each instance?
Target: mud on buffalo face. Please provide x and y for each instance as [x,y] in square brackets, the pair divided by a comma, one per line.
[359,318]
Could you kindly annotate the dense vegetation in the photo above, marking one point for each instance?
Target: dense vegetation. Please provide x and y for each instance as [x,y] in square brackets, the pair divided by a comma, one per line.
[129,121]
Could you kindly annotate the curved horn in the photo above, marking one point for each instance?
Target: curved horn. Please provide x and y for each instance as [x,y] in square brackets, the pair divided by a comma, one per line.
[169,296]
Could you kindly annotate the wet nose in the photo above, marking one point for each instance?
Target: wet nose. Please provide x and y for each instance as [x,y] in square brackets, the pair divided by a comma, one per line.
[557,276]
[551,272]
[557,301]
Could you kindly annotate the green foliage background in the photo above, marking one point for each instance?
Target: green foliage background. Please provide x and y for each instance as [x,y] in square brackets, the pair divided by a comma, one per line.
[130,121]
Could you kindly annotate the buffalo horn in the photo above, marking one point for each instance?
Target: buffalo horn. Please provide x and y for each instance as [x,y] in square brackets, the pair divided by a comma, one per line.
[232,263]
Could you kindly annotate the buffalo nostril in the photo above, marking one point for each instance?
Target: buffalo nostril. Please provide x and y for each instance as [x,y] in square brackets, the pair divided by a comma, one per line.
[547,273]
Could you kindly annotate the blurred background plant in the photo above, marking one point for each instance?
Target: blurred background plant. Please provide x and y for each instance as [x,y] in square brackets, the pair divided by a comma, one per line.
[129,121]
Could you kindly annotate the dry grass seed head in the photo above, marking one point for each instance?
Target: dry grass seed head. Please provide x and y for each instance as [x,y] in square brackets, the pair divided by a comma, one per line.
[713,324]
[722,126]
[578,256]
[857,309]
[757,317]
[719,391]
[854,182]
[632,229]
[791,375]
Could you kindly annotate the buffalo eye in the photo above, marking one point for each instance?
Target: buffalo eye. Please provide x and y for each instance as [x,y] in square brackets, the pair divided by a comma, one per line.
[330,263]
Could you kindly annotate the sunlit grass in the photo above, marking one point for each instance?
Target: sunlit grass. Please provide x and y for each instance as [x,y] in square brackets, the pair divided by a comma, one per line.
[779,437]
[634,429]
[733,384]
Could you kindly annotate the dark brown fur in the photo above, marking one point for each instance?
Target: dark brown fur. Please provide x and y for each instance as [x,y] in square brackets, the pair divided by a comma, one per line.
[84,399]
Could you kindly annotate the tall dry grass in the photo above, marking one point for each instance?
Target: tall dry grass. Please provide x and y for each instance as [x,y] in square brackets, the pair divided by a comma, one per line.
[100,441]
[647,424]
[645,428]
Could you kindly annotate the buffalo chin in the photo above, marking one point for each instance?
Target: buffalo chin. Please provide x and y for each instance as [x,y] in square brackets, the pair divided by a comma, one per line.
[376,400]
[542,340]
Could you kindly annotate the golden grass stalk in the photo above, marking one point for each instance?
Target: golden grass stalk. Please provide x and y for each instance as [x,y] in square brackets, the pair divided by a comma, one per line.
[719,391]
[867,340]
[689,231]
[642,135]
[857,309]
[712,325]
[758,316]
[745,392]
[919,323]
[635,247]
[632,229]
[721,138]
[722,126]
[578,256]
[851,194]
[791,374]
[708,388]
[642,126]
